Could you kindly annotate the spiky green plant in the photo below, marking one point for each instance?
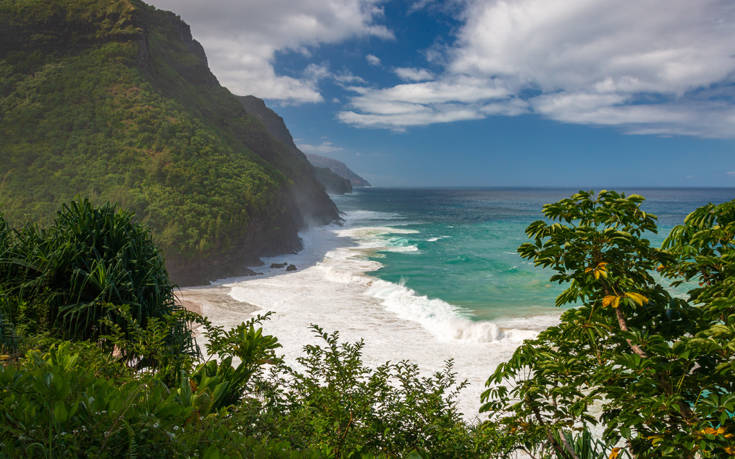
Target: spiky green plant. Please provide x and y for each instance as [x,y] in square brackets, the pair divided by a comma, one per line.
[7,307]
[93,263]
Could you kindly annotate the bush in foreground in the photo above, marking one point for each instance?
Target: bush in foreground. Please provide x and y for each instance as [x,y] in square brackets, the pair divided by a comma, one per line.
[655,370]
[71,400]
[93,271]
[103,364]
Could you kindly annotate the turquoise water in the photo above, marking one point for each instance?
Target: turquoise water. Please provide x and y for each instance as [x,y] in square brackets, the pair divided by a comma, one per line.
[462,244]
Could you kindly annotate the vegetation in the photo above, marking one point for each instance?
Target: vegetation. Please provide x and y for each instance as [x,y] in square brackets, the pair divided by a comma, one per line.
[92,273]
[98,360]
[654,371]
[113,100]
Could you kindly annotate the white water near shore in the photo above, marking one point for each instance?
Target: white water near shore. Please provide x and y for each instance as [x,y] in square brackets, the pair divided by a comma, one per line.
[331,288]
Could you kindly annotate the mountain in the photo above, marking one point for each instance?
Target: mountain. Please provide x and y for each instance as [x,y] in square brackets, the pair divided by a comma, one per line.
[332,183]
[276,127]
[113,100]
[339,168]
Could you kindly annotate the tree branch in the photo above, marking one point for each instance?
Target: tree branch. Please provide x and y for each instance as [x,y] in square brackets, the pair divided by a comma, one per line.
[623,326]
[554,444]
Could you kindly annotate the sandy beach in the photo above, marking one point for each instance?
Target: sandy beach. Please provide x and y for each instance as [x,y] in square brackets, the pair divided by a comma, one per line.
[332,288]
[214,302]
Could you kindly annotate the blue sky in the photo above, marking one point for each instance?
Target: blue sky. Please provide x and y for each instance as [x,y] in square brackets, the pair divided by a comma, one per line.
[489,92]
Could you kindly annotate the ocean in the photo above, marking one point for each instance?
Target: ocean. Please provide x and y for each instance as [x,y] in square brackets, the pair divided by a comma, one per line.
[460,245]
[428,275]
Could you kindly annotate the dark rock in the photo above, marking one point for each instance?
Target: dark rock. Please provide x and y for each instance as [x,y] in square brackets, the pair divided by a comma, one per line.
[291,268]
[258,240]
[279,265]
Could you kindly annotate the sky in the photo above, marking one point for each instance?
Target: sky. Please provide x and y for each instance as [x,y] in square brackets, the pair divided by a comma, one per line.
[585,93]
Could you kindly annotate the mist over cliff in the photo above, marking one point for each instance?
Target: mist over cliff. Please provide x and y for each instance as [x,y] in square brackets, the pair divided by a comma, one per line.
[339,168]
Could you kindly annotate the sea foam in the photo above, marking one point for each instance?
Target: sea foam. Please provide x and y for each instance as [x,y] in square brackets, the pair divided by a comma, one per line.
[446,322]
[332,288]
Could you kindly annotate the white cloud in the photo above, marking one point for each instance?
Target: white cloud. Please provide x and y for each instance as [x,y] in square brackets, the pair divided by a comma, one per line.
[731,173]
[420,5]
[241,38]
[413,74]
[663,67]
[324,148]
[459,89]
[702,119]
[419,116]
[372,59]
[440,101]
[316,72]
[451,7]
[349,78]
[649,45]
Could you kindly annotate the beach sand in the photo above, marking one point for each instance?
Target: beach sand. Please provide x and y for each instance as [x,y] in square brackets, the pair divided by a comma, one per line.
[214,302]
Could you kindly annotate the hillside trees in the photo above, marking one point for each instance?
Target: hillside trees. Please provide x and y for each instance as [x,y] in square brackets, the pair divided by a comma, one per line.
[113,100]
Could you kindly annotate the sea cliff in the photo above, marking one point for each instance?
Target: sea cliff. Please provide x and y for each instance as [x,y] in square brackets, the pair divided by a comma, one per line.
[113,100]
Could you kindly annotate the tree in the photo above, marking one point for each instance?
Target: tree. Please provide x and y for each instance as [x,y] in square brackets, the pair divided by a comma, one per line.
[655,370]
[92,263]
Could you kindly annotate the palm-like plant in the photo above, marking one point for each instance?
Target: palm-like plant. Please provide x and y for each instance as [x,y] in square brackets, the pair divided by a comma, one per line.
[93,263]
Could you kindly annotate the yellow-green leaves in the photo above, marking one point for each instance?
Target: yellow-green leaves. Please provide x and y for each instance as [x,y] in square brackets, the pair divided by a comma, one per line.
[598,271]
[637,298]
[611,300]
[655,439]
[718,431]
[663,364]
[614,300]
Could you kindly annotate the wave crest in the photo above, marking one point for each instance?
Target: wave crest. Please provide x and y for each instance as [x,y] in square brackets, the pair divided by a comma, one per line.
[443,320]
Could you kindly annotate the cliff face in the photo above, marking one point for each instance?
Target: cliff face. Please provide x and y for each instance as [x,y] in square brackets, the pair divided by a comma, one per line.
[332,183]
[271,120]
[113,99]
[276,127]
[339,168]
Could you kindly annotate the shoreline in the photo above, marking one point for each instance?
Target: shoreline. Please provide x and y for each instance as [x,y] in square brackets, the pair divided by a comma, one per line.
[213,301]
[332,288]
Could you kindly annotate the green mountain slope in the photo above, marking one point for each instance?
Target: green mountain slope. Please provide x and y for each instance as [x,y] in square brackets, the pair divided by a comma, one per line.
[276,127]
[113,99]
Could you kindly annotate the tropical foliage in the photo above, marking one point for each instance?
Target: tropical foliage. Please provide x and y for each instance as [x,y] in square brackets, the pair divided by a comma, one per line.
[97,359]
[651,371]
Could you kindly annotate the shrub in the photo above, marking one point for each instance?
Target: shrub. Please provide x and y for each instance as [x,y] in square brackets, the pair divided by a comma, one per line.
[654,369]
[92,263]
[73,401]
[67,399]
[339,406]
